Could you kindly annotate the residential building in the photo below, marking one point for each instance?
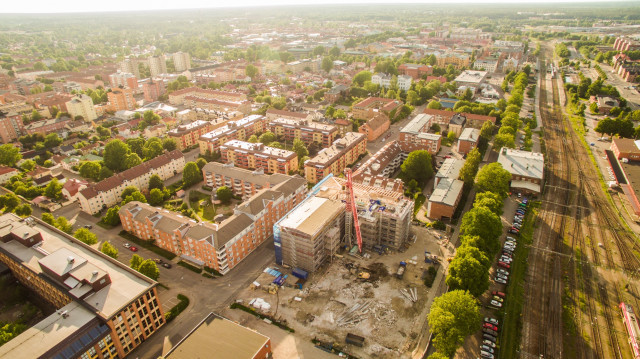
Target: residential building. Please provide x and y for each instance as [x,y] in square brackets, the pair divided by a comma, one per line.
[240,129]
[488,64]
[178,97]
[182,61]
[296,67]
[47,126]
[457,123]
[414,135]
[220,246]
[605,103]
[626,149]
[256,155]
[337,157]
[104,309]
[379,169]
[72,188]
[457,60]
[477,121]
[447,190]
[623,43]
[305,130]
[368,107]
[468,140]
[510,64]
[382,80]
[441,117]
[310,234]
[121,99]
[106,193]
[404,82]
[11,127]
[244,183]
[375,126]
[130,66]
[187,135]
[152,90]
[343,126]
[336,93]
[227,339]
[82,105]
[416,71]
[123,80]
[157,65]
[6,173]
[526,168]
[273,114]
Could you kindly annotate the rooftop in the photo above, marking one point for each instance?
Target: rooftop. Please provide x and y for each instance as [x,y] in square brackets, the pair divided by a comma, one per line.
[469,134]
[447,191]
[228,340]
[258,148]
[311,215]
[340,146]
[522,163]
[418,124]
[469,76]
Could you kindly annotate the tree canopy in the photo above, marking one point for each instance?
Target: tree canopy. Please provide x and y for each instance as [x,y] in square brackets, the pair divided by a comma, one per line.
[453,316]
[191,174]
[490,200]
[224,194]
[149,268]
[114,153]
[84,235]
[470,167]
[485,224]
[493,178]
[9,155]
[417,166]
[109,250]
[467,273]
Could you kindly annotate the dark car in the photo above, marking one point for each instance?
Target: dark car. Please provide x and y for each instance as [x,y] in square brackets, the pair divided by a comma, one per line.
[489,331]
[88,226]
[489,337]
[166,265]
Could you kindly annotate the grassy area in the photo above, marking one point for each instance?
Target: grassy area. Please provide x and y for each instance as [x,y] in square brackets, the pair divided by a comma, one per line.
[201,204]
[418,203]
[178,308]
[510,316]
[190,267]
[147,244]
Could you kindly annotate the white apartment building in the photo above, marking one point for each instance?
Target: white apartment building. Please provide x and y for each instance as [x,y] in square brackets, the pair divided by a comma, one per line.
[82,105]
[182,61]
[404,82]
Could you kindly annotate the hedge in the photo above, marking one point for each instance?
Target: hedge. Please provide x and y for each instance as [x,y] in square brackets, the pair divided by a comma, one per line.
[190,267]
[213,271]
[178,308]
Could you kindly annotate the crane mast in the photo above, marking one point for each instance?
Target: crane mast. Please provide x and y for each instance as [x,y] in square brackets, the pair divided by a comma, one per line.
[353,208]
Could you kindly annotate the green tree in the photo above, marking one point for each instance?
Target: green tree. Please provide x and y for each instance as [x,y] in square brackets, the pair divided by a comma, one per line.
[52,140]
[453,316]
[109,250]
[103,132]
[53,189]
[487,129]
[90,169]
[23,210]
[434,105]
[201,162]
[135,196]
[299,148]
[112,217]
[594,108]
[191,174]
[156,182]
[105,172]
[85,236]
[467,250]
[224,194]
[470,166]
[169,144]
[504,140]
[253,139]
[149,268]
[152,149]
[606,126]
[63,224]
[9,155]
[132,160]
[360,78]
[437,355]
[136,145]
[251,71]
[491,200]
[9,201]
[417,166]
[493,178]
[267,137]
[135,262]
[129,190]
[327,64]
[467,273]
[485,224]
[114,153]
[28,165]
[48,218]
[156,197]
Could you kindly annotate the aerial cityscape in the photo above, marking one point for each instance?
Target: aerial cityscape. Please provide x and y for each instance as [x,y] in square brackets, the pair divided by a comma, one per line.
[320,180]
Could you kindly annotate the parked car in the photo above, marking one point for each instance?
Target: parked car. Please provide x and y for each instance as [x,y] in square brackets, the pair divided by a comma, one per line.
[488,343]
[88,226]
[502,276]
[157,260]
[127,245]
[489,331]
[489,337]
[487,348]
[499,294]
[501,264]
[495,303]
[498,299]
[511,239]
[486,355]
[503,272]
[500,280]
[166,265]
[505,259]
[490,326]
[514,230]
[133,249]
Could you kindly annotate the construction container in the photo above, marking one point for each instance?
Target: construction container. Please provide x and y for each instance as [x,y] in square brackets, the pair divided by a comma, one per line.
[354,340]
[300,273]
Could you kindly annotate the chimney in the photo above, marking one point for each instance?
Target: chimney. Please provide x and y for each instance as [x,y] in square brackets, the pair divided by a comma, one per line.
[70,259]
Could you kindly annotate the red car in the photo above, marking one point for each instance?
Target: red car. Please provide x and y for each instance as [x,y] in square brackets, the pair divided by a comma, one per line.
[490,326]
[499,294]
[133,249]
[504,265]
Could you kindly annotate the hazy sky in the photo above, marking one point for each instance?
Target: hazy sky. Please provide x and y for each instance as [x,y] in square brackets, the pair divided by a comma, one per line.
[49,6]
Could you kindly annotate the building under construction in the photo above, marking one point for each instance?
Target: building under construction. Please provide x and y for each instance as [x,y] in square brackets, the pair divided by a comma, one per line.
[312,232]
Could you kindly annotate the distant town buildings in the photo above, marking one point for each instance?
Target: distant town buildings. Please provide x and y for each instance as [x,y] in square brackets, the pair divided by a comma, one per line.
[375,126]
[240,129]
[182,61]
[123,79]
[121,99]
[305,130]
[369,107]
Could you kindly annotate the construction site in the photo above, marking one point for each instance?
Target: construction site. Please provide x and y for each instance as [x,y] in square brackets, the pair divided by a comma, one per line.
[372,305]
[350,266]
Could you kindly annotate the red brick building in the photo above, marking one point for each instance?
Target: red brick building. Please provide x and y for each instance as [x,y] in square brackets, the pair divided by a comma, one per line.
[47,126]
[188,135]
[414,136]
[375,126]
[369,107]
[625,148]
[152,90]
[415,70]
[468,140]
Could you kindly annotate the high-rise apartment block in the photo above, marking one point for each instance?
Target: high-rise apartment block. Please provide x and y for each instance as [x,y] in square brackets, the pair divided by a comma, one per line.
[82,105]
[123,80]
[11,127]
[121,99]
[182,61]
[157,65]
[337,157]
[152,90]
[257,155]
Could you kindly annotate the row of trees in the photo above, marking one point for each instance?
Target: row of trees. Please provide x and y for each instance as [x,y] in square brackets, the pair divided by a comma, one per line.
[457,313]
[119,156]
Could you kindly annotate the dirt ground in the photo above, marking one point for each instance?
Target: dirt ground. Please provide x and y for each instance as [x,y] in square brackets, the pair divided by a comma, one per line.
[334,302]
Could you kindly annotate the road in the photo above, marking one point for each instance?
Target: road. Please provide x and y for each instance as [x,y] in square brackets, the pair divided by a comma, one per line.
[391,134]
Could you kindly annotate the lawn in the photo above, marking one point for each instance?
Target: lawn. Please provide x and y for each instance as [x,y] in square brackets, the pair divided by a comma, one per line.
[205,209]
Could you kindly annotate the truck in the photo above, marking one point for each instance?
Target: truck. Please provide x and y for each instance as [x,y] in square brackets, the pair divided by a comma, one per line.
[300,273]
[401,269]
[354,340]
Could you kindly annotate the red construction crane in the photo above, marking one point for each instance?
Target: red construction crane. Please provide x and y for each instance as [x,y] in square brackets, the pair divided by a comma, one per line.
[351,206]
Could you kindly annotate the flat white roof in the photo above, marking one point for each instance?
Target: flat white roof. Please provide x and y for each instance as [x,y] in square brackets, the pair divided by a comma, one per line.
[522,163]
[311,215]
